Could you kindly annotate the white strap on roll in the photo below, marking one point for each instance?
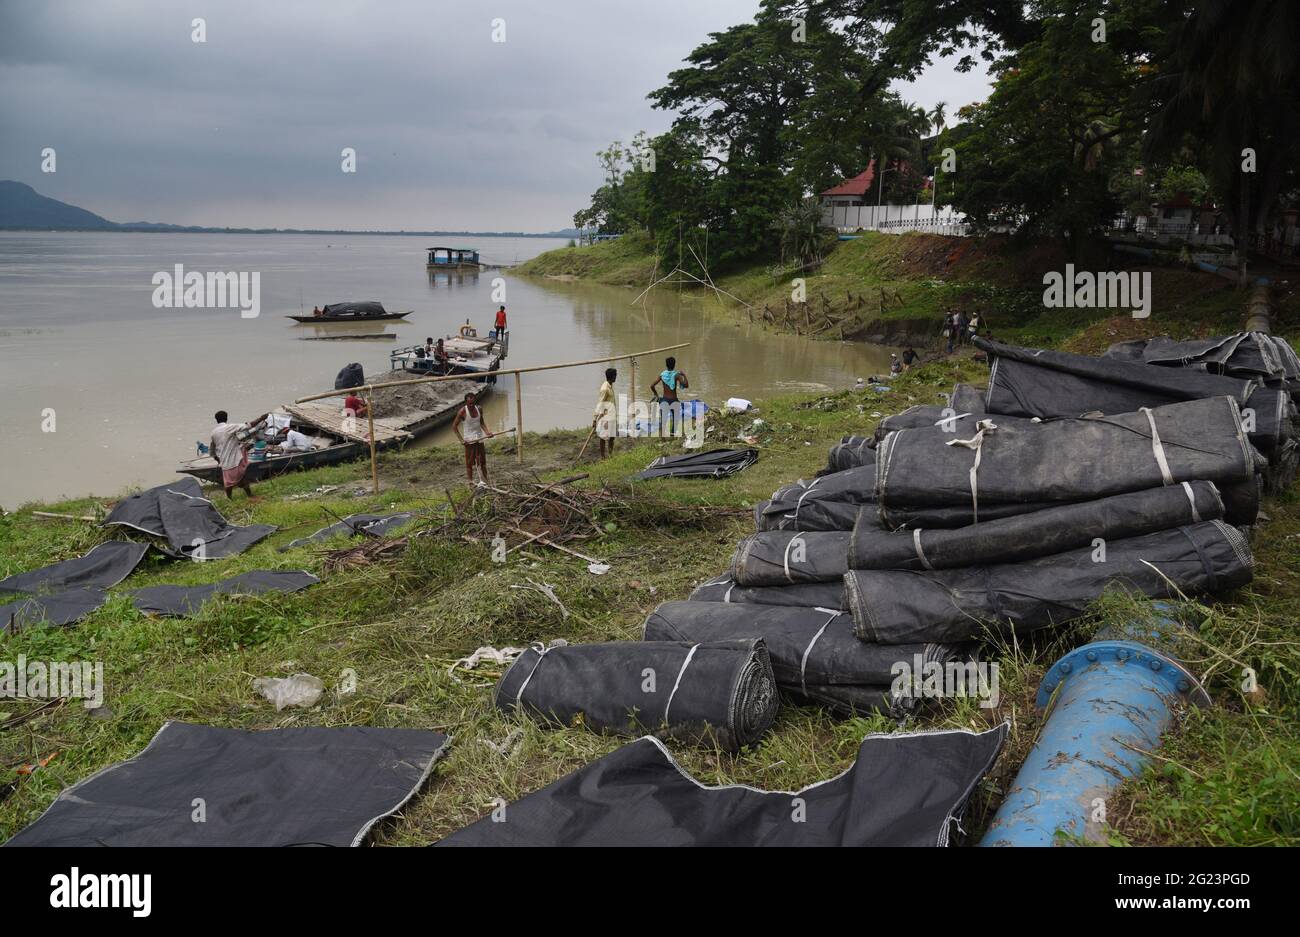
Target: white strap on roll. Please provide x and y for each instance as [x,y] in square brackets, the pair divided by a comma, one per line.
[920,554]
[686,663]
[519,697]
[976,442]
[798,504]
[803,661]
[785,559]
[1158,448]
[1191,497]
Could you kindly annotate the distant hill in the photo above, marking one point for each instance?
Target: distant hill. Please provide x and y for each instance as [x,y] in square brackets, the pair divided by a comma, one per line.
[22,208]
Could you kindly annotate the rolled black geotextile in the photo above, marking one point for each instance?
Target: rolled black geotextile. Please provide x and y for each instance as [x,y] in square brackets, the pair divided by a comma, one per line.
[779,558]
[1065,460]
[718,691]
[815,655]
[1024,536]
[722,588]
[955,605]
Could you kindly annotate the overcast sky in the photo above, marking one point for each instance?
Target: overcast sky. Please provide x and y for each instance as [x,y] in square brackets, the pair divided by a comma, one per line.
[452,130]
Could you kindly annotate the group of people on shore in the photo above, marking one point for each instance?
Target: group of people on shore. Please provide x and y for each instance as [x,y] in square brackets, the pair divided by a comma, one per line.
[959,329]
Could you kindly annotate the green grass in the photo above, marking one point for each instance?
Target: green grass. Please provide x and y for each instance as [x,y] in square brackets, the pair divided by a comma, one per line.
[1228,776]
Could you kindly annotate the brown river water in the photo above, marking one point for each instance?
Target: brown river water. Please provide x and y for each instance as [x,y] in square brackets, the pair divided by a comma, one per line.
[103,390]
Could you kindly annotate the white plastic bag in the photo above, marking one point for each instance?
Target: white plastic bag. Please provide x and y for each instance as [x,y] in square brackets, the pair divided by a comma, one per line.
[300,689]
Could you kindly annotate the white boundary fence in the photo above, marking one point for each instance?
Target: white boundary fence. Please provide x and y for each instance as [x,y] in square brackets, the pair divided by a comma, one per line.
[895,219]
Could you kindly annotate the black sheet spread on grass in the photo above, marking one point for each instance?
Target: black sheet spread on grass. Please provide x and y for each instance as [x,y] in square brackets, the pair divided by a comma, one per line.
[903,790]
[715,691]
[1066,460]
[372,525]
[103,567]
[186,600]
[1038,533]
[722,588]
[282,787]
[952,605]
[815,655]
[780,558]
[57,608]
[190,524]
[716,463]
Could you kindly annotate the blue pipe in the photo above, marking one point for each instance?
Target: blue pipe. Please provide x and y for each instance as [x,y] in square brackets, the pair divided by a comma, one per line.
[1108,703]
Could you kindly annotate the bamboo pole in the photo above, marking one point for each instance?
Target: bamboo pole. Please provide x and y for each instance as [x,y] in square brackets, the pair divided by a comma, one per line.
[519,417]
[462,377]
[374,461]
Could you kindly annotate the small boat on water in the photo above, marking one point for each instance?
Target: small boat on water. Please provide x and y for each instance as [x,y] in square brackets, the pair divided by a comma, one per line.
[335,437]
[468,353]
[452,258]
[352,312]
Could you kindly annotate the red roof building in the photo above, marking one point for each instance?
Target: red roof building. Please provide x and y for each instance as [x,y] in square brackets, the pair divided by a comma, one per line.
[851,191]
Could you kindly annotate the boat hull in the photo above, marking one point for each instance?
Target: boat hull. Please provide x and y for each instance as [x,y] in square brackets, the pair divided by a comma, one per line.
[338,320]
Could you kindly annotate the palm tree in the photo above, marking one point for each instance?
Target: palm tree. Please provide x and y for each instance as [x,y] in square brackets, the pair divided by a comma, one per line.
[1229,78]
[938,116]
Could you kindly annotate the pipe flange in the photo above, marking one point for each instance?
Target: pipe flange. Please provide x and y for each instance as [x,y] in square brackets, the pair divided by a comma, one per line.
[1162,669]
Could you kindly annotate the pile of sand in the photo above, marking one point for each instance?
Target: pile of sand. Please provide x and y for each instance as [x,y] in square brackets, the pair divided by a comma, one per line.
[434,397]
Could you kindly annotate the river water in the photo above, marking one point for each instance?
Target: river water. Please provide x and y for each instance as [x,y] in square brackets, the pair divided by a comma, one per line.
[102,390]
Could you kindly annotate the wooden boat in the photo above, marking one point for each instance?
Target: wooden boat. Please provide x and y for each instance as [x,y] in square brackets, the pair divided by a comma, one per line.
[351,337]
[348,320]
[468,354]
[350,312]
[346,441]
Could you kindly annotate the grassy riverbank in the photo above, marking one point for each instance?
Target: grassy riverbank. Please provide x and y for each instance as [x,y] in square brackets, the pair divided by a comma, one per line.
[1227,777]
[897,288]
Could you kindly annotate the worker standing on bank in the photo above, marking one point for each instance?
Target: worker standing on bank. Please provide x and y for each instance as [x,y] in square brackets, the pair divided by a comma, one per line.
[468,427]
[605,419]
[670,380]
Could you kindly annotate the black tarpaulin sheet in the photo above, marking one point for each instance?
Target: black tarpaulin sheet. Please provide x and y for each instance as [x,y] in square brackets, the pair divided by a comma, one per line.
[968,399]
[190,524]
[363,308]
[714,692]
[1039,533]
[372,525]
[812,515]
[815,655]
[779,558]
[827,502]
[722,588]
[954,605]
[1246,354]
[1065,460]
[1054,384]
[906,789]
[1036,382]
[947,418]
[56,608]
[911,516]
[850,452]
[716,463]
[280,787]
[186,600]
[103,567]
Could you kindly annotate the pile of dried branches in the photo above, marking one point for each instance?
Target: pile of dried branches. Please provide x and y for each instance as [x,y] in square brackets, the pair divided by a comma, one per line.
[549,514]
